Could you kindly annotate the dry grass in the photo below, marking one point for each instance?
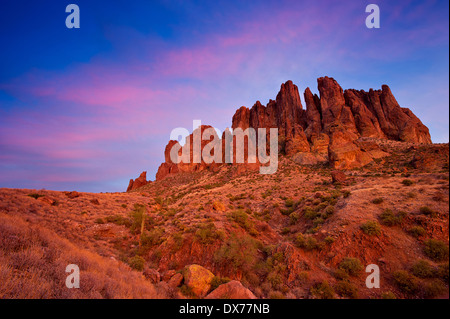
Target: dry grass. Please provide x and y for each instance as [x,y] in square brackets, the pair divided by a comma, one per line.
[33,262]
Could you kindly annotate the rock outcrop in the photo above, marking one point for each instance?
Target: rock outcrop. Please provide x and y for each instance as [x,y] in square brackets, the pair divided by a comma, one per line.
[334,128]
[138,182]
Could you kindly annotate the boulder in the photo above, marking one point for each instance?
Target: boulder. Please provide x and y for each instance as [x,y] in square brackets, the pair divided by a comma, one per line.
[168,274]
[338,176]
[231,290]
[198,279]
[176,280]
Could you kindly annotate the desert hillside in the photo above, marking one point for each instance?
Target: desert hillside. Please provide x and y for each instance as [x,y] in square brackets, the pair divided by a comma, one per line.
[306,231]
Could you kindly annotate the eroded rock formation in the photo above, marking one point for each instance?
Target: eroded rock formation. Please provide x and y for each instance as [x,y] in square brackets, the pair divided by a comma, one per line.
[336,127]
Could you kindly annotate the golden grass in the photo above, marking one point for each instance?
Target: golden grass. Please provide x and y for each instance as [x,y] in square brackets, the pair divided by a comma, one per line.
[33,262]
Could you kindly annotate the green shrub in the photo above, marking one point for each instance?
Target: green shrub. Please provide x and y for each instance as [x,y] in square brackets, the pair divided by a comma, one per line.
[322,290]
[442,272]
[309,213]
[433,288]
[351,266]
[242,219]
[329,210]
[289,202]
[406,282]
[328,240]
[436,250]
[35,195]
[346,289]
[341,274]
[305,242]
[417,231]
[425,210]
[371,228]
[118,220]
[208,233]
[294,218]
[276,295]
[136,218]
[378,200]
[238,252]
[137,262]
[152,238]
[423,269]
[388,217]
[388,295]
[407,182]
[99,221]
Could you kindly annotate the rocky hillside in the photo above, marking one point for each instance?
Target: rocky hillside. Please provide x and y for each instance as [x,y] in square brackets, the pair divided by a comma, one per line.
[307,231]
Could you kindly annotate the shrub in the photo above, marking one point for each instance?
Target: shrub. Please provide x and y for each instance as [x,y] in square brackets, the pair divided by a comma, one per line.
[289,202]
[371,228]
[328,240]
[378,200]
[152,238]
[322,290]
[434,288]
[309,213]
[329,210]
[241,218]
[35,195]
[388,295]
[347,194]
[208,233]
[388,217]
[426,211]
[346,289]
[99,221]
[137,262]
[423,269]
[436,249]
[351,266]
[341,274]
[305,242]
[294,218]
[118,220]
[442,271]
[276,295]
[417,231]
[407,182]
[406,282]
[137,214]
[239,253]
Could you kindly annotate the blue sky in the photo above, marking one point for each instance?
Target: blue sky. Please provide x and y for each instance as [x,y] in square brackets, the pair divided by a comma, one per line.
[90,108]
